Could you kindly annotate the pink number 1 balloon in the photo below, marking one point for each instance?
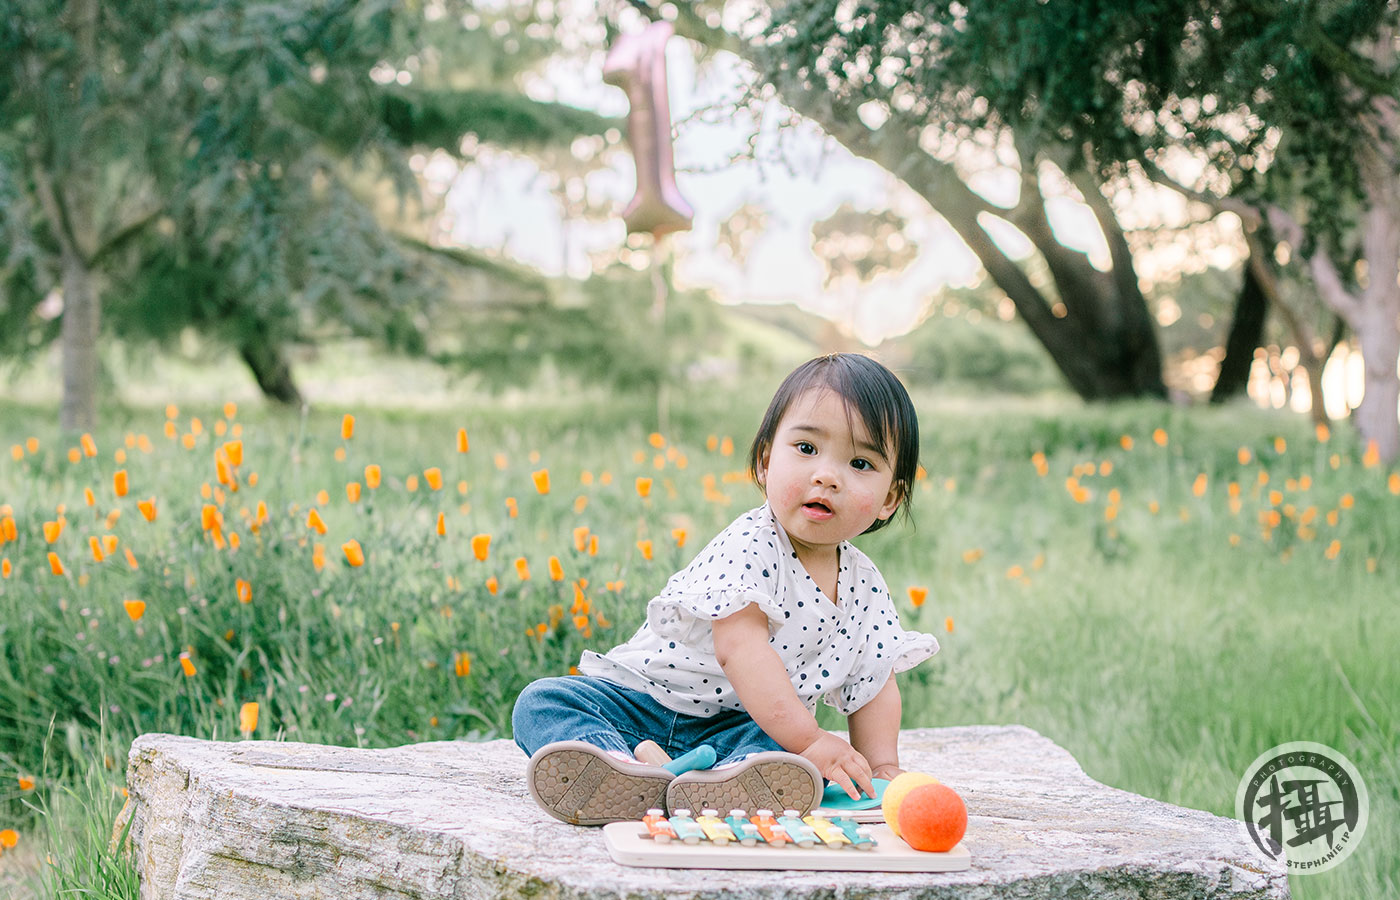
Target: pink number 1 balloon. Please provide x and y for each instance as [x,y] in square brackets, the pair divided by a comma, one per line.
[637,64]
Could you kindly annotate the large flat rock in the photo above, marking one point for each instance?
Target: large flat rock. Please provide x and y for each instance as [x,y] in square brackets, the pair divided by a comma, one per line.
[264,820]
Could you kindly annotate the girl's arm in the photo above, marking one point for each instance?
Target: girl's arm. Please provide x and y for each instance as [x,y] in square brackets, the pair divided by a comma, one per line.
[875,730]
[761,682]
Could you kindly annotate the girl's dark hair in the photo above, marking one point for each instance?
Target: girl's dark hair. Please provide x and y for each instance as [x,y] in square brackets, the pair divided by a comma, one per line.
[874,393]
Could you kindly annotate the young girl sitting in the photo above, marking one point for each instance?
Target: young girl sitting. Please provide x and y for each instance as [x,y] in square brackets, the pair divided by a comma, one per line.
[777,611]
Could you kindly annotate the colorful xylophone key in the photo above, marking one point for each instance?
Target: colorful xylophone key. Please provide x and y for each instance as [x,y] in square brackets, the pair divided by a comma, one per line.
[801,833]
[658,826]
[831,835]
[859,835]
[769,829]
[686,828]
[746,831]
[716,829]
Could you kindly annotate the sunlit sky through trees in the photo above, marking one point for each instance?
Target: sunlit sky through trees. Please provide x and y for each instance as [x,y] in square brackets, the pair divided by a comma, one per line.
[505,202]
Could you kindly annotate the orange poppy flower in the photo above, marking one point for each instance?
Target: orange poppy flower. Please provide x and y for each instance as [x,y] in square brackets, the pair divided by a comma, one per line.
[645,547]
[55,564]
[512,507]
[580,538]
[493,585]
[580,504]
[1333,550]
[556,570]
[121,483]
[353,554]
[147,508]
[5,568]
[314,521]
[347,427]
[233,450]
[441,525]
[643,487]
[135,609]
[26,783]
[352,491]
[318,557]
[1126,442]
[1198,487]
[1372,457]
[434,478]
[9,838]
[462,663]
[89,445]
[679,534]
[52,530]
[17,453]
[726,447]
[917,595]
[248,718]
[187,665]
[481,546]
[522,568]
[96,547]
[188,441]
[131,559]
[462,443]
[593,545]
[372,476]
[1159,437]
[541,479]
[948,624]
[8,528]
[410,484]
[244,591]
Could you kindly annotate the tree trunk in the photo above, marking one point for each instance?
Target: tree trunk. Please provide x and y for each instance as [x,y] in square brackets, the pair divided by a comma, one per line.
[81,321]
[1246,334]
[1379,336]
[270,368]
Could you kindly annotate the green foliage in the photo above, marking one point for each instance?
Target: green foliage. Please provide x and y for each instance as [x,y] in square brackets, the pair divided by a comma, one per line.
[601,331]
[1159,653]
[210,161]
[981,355]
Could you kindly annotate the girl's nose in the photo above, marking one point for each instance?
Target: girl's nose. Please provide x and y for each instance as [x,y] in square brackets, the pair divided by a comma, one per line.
[826,476]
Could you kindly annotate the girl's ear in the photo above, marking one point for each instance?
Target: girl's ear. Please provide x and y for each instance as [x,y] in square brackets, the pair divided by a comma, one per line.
[892,500]
[763,465]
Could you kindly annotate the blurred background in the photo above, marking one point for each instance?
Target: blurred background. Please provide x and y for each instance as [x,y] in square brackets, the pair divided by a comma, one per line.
[322,328]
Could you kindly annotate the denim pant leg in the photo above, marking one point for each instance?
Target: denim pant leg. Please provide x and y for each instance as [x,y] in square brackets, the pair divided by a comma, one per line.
[733,733]
[580,708]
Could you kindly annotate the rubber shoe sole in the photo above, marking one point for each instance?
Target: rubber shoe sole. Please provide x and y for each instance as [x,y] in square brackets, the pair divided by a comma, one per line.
[581,784]
[769,780]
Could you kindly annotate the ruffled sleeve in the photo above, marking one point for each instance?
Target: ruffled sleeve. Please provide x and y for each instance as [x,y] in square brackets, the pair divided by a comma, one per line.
[740,566]
[687,617]
[885,649]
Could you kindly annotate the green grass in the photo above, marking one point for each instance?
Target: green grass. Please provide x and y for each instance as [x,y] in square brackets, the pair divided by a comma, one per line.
[1161,654]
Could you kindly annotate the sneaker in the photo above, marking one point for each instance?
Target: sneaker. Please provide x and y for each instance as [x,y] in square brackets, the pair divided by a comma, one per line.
[581,784]
[772,779]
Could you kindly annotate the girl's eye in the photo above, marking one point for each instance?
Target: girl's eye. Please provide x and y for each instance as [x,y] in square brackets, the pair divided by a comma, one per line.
[805,448]
[862,464]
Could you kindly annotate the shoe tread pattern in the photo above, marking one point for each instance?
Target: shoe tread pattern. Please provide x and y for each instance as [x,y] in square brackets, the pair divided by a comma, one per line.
[582,789]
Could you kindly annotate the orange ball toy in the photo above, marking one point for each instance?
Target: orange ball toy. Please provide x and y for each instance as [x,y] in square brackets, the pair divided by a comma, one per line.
[932,817]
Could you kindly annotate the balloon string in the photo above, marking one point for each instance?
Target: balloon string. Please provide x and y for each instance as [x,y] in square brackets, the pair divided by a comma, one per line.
[659,290]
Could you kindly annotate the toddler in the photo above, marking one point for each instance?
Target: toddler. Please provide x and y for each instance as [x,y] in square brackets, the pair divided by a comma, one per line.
[777,611]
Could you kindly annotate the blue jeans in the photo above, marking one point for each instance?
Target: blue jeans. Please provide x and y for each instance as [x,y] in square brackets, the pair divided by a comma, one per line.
[607,715]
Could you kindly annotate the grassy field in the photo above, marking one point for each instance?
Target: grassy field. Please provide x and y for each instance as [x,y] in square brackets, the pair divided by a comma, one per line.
[1164,592]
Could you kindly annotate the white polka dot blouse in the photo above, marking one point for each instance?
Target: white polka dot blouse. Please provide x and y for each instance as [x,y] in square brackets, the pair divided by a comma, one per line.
[842,653]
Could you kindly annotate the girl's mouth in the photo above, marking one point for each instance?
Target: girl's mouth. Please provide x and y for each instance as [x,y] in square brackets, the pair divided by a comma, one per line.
[817,510]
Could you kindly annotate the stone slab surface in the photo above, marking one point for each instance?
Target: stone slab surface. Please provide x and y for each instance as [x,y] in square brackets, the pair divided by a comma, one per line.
[263,820]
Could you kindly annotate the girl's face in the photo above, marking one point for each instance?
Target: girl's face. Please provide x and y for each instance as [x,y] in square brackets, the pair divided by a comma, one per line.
[825,478]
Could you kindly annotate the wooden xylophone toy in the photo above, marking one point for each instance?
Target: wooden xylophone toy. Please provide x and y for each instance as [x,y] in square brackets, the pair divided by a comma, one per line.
[769,841]
[750,831]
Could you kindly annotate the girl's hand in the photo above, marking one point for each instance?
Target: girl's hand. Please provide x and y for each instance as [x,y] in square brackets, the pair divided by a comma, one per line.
[889,771]
[838,761]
